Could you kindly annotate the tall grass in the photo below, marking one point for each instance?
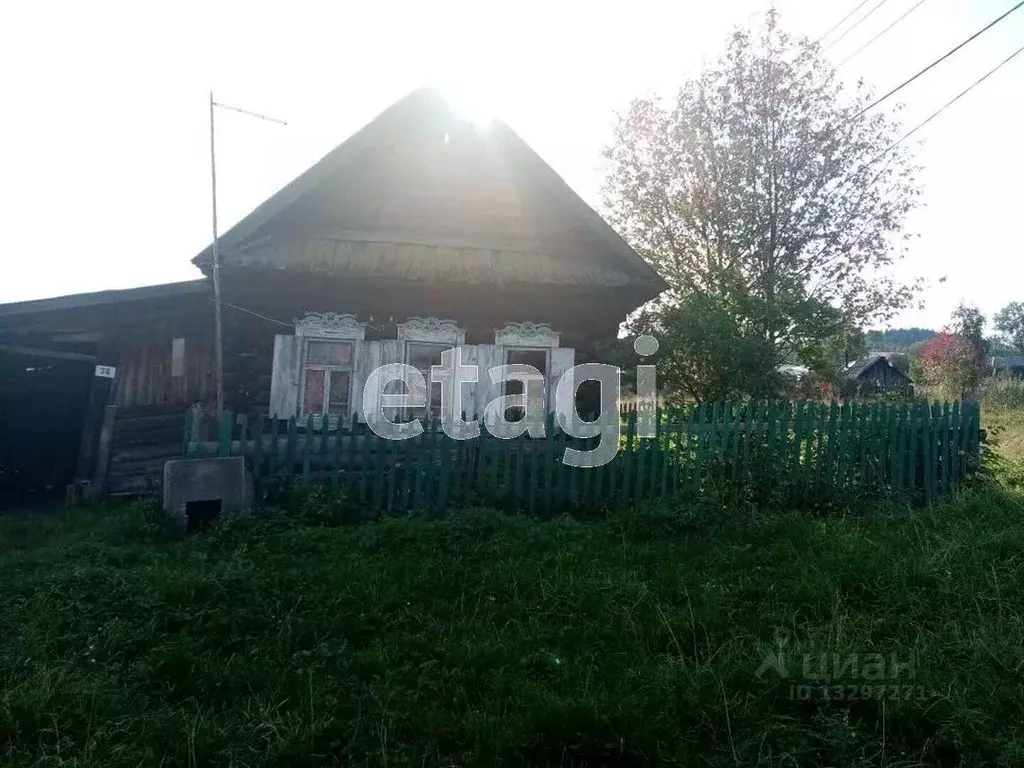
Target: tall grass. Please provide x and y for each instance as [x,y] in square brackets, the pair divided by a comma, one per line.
[484,639]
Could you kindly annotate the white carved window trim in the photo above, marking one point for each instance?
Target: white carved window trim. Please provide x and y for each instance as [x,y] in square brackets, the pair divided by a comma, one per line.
[529,335]
[330,326]
[432,330]
[327,327]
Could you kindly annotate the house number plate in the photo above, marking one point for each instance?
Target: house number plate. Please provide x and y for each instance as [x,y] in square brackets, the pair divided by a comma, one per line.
[106,371]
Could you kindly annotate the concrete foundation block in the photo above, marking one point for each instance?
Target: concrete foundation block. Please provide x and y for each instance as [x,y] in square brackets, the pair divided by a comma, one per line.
[198,490]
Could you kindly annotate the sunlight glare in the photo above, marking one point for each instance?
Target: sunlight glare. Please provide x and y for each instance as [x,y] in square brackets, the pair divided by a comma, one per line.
[470,103]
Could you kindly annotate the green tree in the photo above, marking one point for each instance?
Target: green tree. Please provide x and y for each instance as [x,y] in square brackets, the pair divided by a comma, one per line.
[968,322]
[704,353]
[1009,321]
[765,184]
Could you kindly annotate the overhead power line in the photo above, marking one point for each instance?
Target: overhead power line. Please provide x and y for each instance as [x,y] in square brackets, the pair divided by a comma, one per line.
[939,60]
[953,101]
[840,23]
[914,7]
[856,24]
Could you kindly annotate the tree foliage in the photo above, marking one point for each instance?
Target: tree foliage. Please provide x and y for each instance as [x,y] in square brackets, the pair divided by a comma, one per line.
[897,339]
[762,185]
[968,322]
[704,353]
[949,362]
[1009,321]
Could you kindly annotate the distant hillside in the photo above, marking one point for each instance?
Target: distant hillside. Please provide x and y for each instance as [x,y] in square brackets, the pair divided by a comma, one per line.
[896,339]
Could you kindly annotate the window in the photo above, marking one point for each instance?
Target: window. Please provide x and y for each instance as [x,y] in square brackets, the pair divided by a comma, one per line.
[421,356]
[327,378]
[538,358]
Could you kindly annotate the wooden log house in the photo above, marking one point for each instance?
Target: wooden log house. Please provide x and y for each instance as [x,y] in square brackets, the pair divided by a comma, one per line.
[420,232]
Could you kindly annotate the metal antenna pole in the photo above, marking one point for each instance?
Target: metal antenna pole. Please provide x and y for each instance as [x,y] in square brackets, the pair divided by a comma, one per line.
[218,332]
[217,328]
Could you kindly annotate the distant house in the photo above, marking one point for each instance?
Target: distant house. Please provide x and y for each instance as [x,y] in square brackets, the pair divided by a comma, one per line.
[1012,365]
[793,371]
[875,372]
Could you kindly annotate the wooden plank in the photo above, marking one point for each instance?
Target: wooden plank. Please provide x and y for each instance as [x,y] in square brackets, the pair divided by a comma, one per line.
[798,436]
[821,450]
[307,448]
[664,428]
[325,425]
[53,354]
[700,419]
[103,447]
[224,433]
[445,473]
[391,448]
[900,452]
[549,463]
[275,426]
[291,454]
[256,434]
[630,458]
[893,455]
[286,373]
[956,464]
[945,450]
[352,478]
[928,471]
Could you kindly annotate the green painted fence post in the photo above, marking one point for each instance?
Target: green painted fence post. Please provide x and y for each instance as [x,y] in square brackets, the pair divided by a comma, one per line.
[325,431]
[831,449]
[224,434]
[257,448]
[956,466]
[444,473]
[841,461]
[627,475]
[272,449]
[928,452]
[946,451]
[665,428]
[243,435]
[291,452]
[700,447]
[550,435]
[351,474]
[432,481]
[798,439]
[336,455]
[821,451]
[307,449]
[900,452]
[891,445]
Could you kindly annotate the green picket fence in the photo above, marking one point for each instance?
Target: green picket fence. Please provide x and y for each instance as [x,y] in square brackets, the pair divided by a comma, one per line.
[801,452]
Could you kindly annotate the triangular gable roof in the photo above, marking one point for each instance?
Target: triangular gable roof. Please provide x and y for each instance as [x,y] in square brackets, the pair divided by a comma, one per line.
[388,125]
[858,368]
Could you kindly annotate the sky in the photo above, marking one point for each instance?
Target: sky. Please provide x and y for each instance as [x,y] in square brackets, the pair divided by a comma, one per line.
[104,132]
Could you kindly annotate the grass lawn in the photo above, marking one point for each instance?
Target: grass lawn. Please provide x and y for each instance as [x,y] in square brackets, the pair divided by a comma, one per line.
[485,639]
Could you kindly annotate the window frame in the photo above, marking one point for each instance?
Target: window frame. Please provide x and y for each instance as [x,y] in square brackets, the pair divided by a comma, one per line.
[506,350]
[441,347]
[350,369]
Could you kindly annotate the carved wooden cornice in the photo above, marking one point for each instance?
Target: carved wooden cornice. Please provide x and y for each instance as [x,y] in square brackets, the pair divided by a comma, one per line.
[330,325]
[432,329]
[526,334]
